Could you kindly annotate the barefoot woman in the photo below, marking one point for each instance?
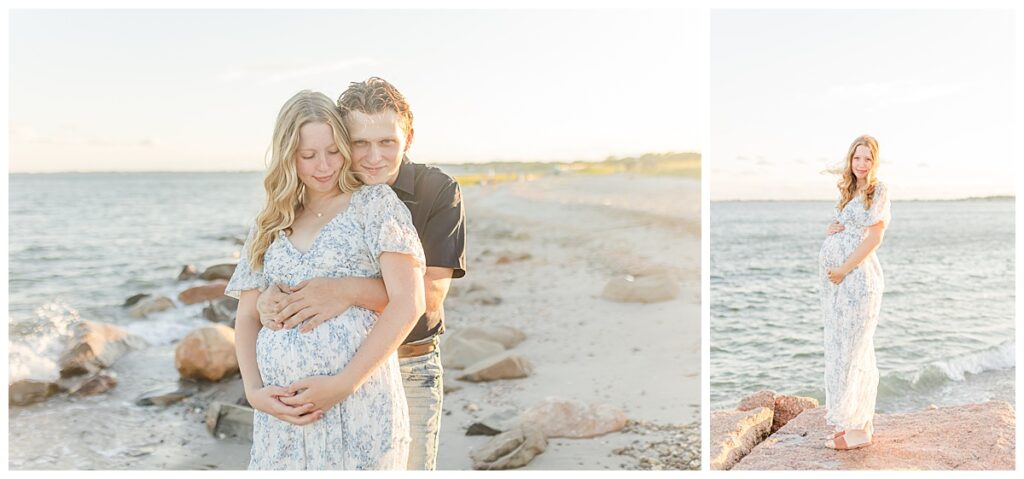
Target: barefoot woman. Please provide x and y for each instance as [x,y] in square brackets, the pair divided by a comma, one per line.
[851,296]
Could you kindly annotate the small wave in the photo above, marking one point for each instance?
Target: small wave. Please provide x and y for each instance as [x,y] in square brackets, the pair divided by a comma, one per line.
[168,327]
[36,344]
[1002,356]
[938,373]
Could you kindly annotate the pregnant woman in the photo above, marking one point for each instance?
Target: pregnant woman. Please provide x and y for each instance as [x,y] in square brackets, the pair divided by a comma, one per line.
[331,398]
[851,296]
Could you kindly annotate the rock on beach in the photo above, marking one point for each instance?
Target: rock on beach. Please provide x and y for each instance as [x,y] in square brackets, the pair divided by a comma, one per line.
[510,450]
[559,417]
[208,353]
[507,365]
[218,271]
[735,433]
[461,352]
[94,346]
[642,289]
[149,305]
[203,292]
[29,391]
[966,437]
[507,336]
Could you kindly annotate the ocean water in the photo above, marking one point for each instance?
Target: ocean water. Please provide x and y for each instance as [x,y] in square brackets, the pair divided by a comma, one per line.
[945,334]
[80,244]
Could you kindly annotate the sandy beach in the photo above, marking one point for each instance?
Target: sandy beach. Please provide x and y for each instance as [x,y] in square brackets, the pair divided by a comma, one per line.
[546,248]
[581,232]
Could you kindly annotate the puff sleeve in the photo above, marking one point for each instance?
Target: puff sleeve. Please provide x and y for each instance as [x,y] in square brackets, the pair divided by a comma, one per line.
[244,277]
[880,206]
[388,224]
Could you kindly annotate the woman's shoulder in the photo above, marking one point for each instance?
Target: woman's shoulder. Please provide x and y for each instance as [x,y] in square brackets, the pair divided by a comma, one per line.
[375,196]
[881,190]
[369,193]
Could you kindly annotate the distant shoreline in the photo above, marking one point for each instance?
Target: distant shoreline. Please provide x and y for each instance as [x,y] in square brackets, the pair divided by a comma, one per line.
[672,164]
[914,200]
[669,162]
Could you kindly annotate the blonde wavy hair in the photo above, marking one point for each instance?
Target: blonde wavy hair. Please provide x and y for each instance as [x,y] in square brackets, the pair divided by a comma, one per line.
[848,181]
[285,192]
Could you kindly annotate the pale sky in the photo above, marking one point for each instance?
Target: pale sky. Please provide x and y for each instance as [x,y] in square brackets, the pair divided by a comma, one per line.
[791,89]
[199,90]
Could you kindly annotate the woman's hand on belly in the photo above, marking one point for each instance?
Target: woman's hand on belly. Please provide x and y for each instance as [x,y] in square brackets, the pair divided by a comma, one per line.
[834,227]
[323,392]
[271,400]
[836,275]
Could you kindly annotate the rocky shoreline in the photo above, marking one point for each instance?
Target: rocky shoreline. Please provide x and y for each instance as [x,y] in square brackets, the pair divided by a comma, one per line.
[768,431]
[508,382]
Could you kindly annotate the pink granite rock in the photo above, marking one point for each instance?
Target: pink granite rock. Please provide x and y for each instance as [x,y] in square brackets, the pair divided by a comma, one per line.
[573,418]
[789,407]
[762,398]
[203,292]
[966,437]
[735,433]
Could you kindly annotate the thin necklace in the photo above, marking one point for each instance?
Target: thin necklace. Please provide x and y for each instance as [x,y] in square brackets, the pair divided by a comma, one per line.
[318,215]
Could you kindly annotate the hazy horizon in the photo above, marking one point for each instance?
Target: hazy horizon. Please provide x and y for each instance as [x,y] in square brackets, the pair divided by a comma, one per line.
[254,170]
[146,97]
[791,89]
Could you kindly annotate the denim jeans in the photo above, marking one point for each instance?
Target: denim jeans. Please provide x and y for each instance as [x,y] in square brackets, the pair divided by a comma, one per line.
[424,391]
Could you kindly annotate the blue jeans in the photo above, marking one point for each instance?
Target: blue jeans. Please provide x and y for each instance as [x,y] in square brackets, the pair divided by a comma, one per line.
[424,390]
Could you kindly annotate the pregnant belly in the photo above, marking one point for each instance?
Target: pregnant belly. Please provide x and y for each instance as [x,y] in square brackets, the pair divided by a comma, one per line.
[835,250]
[287,356]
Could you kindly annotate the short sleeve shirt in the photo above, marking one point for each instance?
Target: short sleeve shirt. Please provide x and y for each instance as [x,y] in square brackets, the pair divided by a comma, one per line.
[435,201]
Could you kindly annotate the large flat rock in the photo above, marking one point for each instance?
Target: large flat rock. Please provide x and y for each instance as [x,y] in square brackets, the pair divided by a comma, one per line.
[735,433]
[967,437]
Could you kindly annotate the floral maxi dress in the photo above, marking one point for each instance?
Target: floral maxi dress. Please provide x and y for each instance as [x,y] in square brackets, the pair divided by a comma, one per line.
[850,311]
[370,429]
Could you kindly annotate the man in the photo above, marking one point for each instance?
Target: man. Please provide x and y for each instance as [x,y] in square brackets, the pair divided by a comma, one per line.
[379,122]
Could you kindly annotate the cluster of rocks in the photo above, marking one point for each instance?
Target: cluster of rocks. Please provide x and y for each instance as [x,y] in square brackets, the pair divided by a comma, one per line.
[218,309]
[677,449]
[970,437]
[92,348]
[207,353]
[484,353]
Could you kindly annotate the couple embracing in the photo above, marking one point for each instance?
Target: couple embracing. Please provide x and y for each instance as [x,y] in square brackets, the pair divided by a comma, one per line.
[341,285]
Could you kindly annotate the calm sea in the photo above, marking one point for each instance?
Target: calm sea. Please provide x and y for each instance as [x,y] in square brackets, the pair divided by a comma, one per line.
[80,244]
[946,330]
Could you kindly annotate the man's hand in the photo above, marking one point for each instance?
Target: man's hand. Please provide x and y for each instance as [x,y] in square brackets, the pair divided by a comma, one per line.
[323,392]
[270,399]
[268,304]
[313,301]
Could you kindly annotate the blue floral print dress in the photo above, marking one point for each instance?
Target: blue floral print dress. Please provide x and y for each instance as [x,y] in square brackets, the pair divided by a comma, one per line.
[370,429]
[851,311]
